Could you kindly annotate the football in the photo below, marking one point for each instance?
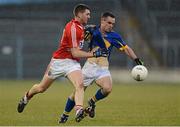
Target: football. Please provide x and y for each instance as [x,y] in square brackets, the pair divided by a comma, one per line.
[139,72]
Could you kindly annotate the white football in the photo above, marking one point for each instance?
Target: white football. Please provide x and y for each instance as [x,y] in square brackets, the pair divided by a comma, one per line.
[139,72]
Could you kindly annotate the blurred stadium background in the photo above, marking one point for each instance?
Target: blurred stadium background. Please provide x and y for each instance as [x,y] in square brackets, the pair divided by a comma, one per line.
[30,32]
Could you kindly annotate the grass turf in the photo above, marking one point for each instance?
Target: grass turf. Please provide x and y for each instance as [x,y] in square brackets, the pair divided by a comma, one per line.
[128,104]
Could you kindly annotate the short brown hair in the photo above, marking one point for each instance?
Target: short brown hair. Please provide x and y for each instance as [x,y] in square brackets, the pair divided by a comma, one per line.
[80,8]
[107,14]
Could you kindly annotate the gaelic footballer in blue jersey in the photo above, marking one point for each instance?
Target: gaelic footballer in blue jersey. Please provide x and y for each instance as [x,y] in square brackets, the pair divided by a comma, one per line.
[96,69]
[107,41]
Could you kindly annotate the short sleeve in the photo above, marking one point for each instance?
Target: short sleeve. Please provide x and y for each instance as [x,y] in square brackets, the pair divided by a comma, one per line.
[118,42]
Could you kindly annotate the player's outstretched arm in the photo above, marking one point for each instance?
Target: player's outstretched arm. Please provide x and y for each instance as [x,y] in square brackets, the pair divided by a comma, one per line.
[132,55]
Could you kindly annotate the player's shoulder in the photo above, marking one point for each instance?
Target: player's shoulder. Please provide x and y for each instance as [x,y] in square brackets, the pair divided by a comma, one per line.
[68,25]
[113,34]
[73,25]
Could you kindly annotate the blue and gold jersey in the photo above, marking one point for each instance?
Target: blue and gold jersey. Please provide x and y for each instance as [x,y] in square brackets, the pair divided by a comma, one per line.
[106,41]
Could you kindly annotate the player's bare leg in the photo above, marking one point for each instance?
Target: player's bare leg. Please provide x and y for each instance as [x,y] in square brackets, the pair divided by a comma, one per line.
[37,88]
[77,80]
[105,84]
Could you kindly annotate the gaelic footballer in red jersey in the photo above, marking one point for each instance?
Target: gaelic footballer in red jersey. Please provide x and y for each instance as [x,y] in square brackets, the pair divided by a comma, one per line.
[73,37]
[65,62]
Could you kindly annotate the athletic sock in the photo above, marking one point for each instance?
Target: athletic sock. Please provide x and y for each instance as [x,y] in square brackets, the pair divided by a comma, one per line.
[98,96]
[69,106]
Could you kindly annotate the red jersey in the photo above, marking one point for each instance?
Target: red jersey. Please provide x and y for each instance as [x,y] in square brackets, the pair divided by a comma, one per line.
[73,37]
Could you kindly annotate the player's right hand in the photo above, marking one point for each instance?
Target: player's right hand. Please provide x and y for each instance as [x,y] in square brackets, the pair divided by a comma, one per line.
[88,31]
[100,53]
[87,36]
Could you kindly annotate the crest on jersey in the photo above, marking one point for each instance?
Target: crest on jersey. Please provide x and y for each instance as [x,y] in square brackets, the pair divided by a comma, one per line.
[81,44]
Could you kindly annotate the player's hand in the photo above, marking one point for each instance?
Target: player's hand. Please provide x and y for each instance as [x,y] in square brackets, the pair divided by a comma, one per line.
[100,53]
[87,36]
[88,30]
[138,61]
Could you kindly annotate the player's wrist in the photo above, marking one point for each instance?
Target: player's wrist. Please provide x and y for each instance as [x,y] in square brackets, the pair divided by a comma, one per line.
[96,53]
[138,61]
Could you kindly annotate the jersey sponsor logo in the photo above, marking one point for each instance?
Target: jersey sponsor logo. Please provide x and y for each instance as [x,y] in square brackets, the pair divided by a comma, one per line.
[81,44]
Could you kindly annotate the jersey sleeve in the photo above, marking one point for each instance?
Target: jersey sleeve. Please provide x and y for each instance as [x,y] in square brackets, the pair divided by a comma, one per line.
[71,34]
[118,42]
[74,35]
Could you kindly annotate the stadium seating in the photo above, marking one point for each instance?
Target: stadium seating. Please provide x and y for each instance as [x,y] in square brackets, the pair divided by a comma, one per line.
[29,32]
[160,21]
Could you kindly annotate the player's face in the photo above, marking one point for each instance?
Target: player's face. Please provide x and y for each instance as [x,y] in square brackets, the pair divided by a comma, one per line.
[85,16]
[107,23]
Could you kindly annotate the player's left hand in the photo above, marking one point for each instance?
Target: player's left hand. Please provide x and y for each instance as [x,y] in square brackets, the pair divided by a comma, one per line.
[138,61]
[100,53]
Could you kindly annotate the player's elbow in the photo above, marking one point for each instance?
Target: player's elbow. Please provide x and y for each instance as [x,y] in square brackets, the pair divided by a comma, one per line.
[74,55]
[128,48]
[74,52]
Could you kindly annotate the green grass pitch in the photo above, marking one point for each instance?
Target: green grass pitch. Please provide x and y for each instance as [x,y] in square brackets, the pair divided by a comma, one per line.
[128,104]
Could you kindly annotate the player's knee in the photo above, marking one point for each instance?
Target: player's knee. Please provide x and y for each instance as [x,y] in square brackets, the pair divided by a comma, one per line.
[107,89]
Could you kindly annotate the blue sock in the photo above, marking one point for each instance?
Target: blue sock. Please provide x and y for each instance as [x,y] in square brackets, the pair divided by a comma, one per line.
[69,105]
[99,95]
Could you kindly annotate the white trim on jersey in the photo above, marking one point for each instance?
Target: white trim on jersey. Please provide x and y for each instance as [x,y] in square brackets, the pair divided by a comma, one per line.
[81,27]
[62,36]
[73,35]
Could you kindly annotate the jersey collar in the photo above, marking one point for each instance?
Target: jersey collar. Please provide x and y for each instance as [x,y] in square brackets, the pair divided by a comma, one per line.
[77,22]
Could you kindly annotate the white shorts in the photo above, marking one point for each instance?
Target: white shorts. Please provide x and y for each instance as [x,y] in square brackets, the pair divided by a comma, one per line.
[92,72]
[62,67]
